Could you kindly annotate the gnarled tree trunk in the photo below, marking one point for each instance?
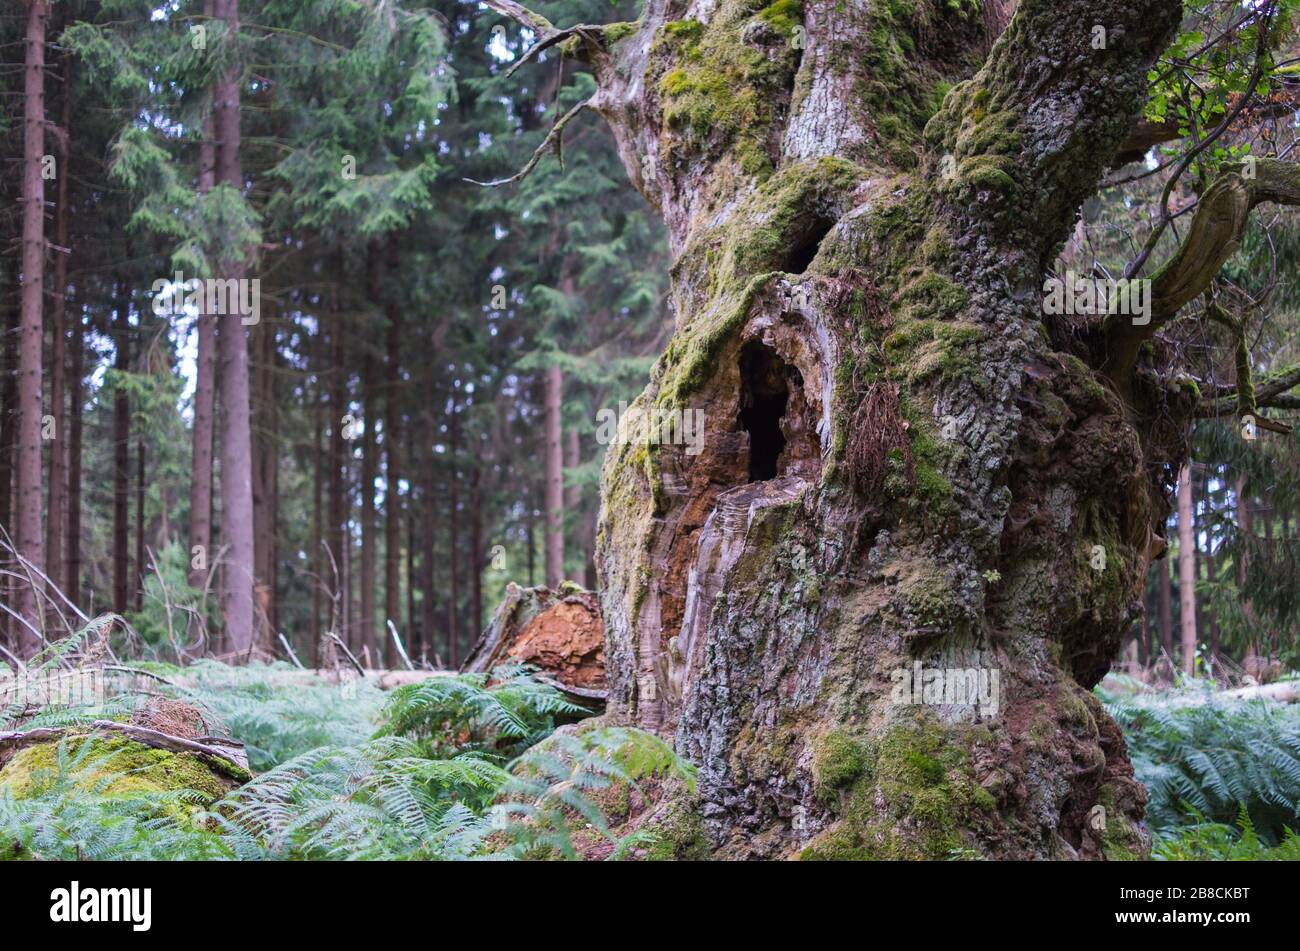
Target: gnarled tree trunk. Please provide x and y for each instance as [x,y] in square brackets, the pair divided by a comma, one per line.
[905,467]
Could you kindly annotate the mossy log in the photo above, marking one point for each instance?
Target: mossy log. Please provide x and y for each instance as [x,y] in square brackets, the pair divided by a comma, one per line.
[223,752]
[116,759]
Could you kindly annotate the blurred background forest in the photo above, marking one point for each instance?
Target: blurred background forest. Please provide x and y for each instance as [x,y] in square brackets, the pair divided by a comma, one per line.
[414,326]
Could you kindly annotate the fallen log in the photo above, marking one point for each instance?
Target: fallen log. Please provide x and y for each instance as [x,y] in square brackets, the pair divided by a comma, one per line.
[1286,691]
[222,752]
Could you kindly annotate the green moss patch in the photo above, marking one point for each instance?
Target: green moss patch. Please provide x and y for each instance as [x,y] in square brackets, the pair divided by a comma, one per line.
[117,766]
[838,760]
[722,92]
[921,773]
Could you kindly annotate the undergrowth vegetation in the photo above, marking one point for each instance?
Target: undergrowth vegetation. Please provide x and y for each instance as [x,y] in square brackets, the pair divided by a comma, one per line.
[450,768]
[1222,776]
[472,766]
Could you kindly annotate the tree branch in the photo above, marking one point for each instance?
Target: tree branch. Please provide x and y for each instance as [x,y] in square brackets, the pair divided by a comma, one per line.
[521,14]
[1036,125]
[1215,234]
[1272,391]
[553,139]
[587,31]
[1257,73]
[219,750]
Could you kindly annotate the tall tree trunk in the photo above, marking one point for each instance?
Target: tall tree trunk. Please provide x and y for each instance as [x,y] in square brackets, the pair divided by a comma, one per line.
[416,637]
[56,505]
[432,492]
[1246,531]
[1211,572]
[1187,570]
[476,555]
[415,625]
[141,561]
[902,461]
[347,562]
[232,346]
[265,450]
[319,454]
[573,492]
[332,568]
[530,526]
[453,537]
[272,462]
[201,554]
[392,480]
[75,431]
[553,464]
[29,540]
[10,311]
[1164,588]
[122,458]
[370,413]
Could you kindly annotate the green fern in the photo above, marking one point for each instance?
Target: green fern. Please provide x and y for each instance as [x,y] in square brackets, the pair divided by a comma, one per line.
[1204,759]
[450,768]
[502,714]
[276,713]
[1216,841]
[70,814]
[552,789]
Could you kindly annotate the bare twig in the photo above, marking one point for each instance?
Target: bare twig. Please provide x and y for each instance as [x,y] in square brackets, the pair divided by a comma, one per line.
[553,139]
[347,653]
[392,629]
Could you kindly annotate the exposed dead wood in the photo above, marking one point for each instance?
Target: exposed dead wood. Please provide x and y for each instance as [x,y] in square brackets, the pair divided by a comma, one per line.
[879,430]
[558,632]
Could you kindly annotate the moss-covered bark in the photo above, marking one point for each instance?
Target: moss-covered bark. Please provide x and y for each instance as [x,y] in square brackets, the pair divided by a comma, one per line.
[872,207]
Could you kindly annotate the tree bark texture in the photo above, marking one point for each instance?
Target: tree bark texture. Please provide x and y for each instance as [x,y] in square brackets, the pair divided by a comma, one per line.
[904,462]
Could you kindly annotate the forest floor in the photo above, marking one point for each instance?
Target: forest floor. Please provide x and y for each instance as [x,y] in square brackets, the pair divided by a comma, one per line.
[474,765]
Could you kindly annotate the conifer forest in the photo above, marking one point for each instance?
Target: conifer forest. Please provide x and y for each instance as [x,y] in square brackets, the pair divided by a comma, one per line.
[650,430]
